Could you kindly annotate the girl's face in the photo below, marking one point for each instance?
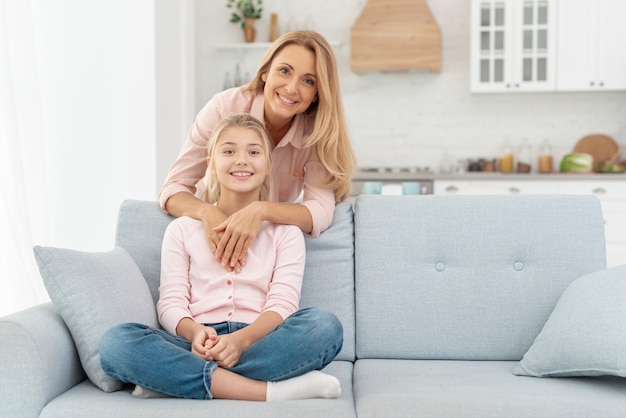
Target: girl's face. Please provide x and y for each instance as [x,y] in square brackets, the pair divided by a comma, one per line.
[290,83]
[240,161]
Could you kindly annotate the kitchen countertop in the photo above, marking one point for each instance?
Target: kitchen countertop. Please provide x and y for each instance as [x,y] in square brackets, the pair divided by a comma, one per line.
[430,176]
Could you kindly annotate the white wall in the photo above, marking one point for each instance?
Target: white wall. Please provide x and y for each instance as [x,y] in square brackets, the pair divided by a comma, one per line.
[410,119]
[99,104]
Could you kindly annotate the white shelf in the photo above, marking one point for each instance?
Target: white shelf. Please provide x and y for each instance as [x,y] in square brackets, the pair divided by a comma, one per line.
[258,45]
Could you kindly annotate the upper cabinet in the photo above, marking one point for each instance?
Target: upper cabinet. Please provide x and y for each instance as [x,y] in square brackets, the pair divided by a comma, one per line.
[513,45]
[547,45]
[592,45]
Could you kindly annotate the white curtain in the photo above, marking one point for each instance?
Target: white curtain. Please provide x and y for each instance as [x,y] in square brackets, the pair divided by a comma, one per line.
[23,206]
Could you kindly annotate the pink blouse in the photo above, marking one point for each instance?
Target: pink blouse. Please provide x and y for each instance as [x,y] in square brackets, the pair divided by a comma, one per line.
[194,284]
[296,167]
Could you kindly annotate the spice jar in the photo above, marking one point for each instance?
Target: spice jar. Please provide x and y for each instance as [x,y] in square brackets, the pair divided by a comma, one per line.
[523,157]
[545,157]
[505,161]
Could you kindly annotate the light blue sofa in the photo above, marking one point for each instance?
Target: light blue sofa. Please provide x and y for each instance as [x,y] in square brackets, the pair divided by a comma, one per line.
[440,298]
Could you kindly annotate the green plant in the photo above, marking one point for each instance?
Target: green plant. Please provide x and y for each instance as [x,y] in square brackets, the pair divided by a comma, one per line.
[244,9]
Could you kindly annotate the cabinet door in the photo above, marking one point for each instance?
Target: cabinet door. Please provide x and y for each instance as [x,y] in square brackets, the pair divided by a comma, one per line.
[450,187]
[513,187]
[611,71]
[513,45]
[591,50]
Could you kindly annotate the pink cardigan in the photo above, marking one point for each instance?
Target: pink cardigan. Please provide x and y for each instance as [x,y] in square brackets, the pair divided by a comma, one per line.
[194,284]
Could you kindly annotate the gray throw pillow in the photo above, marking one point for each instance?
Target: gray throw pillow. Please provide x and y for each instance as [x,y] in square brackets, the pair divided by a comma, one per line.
[93,292]
[586,333]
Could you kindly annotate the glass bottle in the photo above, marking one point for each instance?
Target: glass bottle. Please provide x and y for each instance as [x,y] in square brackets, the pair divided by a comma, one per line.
[545,157]
[505,162]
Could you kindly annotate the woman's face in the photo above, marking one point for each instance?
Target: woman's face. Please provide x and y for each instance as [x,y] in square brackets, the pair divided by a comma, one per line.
[239,161]
[290,83]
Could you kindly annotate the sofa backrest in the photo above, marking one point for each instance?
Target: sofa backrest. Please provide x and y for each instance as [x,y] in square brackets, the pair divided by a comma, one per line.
[467,277]
[329,272]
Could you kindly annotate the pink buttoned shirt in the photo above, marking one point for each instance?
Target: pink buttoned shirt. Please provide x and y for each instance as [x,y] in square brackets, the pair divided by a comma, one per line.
[194,284]
[296,168]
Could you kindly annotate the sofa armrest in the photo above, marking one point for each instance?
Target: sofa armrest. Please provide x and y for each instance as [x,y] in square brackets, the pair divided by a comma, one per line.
[38,360]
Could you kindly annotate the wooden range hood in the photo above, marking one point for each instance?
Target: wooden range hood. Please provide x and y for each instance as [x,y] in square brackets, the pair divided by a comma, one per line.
[396,35]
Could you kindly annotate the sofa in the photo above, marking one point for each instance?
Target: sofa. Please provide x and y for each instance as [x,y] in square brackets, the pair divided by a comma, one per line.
[452,306]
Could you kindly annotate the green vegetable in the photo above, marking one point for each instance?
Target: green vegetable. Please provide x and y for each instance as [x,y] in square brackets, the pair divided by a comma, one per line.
[577,162]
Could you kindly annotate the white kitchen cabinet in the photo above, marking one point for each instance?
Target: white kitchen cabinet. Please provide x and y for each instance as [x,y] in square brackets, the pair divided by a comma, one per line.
[495,187]
[591,45]
[513,45]
[450,187]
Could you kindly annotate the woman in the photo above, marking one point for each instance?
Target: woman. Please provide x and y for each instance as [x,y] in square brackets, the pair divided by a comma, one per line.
[296,94]
[230,335]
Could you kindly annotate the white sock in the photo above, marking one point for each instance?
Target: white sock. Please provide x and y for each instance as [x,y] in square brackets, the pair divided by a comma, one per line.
[141,392]
[314,384]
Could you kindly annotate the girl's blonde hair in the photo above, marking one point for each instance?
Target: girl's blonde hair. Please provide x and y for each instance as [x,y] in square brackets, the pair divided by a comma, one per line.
[212,193]
[330,132]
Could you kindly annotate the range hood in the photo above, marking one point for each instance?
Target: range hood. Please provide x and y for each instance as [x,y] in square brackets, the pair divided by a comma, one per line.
[396,35]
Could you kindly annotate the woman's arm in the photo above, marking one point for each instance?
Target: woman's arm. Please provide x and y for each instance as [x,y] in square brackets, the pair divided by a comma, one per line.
[240,229]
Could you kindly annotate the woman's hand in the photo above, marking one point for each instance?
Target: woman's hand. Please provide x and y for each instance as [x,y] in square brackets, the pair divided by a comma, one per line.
[236,234]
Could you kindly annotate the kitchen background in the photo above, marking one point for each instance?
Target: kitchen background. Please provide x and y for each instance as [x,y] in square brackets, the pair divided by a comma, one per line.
[97,98]
[412,118]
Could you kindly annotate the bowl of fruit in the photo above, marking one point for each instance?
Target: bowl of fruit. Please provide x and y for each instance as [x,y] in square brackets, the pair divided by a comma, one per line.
[613,164]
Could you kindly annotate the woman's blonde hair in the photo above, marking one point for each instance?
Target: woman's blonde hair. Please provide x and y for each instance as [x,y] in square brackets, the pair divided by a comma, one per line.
[212,193]
[330,137]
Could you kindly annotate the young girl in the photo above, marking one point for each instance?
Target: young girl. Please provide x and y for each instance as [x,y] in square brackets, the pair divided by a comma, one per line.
[230,335]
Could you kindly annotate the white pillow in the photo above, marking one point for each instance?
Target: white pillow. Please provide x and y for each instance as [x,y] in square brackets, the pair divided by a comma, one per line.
[586,333]
[93,292]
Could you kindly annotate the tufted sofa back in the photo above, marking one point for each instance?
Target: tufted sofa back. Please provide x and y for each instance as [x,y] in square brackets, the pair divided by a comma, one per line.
[467,277]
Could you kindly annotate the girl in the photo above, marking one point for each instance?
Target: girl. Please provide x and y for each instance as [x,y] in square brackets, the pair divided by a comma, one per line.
[230,335]
[296,94]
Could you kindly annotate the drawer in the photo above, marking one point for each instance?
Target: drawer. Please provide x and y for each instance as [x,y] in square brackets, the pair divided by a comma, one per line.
[602,189]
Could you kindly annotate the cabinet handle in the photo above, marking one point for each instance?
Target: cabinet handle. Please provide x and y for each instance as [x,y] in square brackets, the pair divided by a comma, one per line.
[599,190]
[452,189]
[601,84]
[591,83]
[514,190]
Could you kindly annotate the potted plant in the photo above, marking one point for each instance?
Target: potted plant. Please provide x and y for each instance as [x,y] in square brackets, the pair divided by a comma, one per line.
[246,12]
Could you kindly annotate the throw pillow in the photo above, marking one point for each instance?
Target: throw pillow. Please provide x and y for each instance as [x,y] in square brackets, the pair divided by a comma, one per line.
[93,292]
[585,335]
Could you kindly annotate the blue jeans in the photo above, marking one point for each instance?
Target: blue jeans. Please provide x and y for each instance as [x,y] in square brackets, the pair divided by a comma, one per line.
[155,359]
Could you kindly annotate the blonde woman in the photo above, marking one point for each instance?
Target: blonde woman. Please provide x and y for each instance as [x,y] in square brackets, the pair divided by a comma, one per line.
[296,94]
[230,335]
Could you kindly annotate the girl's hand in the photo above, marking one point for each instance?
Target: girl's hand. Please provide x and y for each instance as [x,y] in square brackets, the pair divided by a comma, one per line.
[203,340]
[237,233]
[226,351]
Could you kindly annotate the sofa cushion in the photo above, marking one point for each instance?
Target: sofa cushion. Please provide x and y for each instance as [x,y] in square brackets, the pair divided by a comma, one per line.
[485,389]
[586,333]
[93,292]
[467,277]
[84,400]
[329,272]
